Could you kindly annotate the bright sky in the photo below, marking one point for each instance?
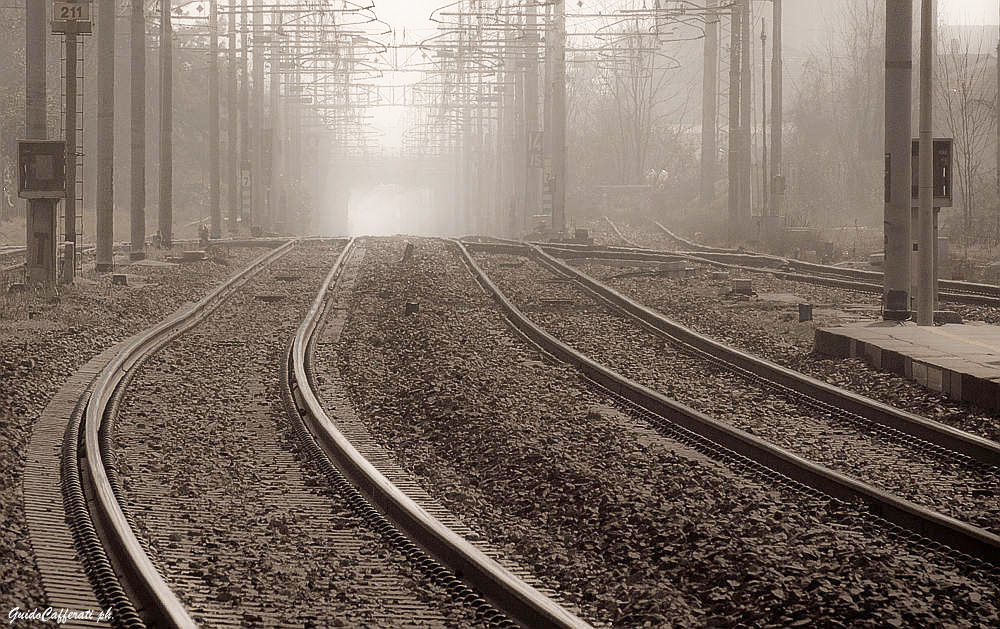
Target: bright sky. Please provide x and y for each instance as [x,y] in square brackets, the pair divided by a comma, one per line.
[412,16]
[969,11]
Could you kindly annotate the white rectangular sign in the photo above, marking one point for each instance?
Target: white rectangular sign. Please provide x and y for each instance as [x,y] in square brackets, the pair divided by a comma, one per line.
[71,11]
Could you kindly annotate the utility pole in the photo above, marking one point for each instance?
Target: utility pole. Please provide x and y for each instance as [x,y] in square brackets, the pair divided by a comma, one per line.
[506,137]
[777,119]
[463,66]
[532,160]
[710,103]
[137,213]
[746,107]
[482,202]
[925,267]
[293,160]
[69,203]
[105,197]
[257,168]
[213,119]
[245,138]
[764,207]
[232,124]
[559,120]
[735,134]
[275,205]
[166,127]
[500,221]
[520,171]
[40,221]
[898,96]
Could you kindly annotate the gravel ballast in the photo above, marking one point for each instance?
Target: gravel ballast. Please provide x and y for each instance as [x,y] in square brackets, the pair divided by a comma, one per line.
[768,326]
[44,338]
[240,525]
[632,527]
[951,486]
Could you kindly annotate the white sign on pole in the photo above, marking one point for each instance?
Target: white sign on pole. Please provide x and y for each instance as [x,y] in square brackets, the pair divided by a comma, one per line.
[71,11]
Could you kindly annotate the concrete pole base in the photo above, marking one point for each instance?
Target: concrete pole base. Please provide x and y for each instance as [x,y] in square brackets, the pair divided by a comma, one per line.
[943,316]
[895,315]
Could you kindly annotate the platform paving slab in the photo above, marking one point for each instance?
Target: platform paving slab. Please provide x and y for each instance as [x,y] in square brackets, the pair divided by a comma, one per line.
[961,361]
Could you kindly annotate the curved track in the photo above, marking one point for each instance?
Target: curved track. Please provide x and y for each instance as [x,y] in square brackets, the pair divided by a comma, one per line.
[928,522]
[507,592]
[116,544]
[959,292]
[102,531]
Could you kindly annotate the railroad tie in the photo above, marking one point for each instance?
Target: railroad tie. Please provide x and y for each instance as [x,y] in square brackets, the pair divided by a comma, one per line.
[63,579]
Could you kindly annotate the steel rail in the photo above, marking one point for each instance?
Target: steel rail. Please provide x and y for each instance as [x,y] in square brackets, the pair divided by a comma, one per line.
[954,287]
[979,448]
[978,295]
[507,592]
[153,598]
[925,522]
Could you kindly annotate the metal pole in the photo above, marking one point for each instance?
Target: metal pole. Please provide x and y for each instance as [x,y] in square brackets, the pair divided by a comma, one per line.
[547,98]
[69,203]
[213,119]
[746,108]
[293,161]
[105,197]
[137,213]
[898,86]
[925,291]
[462,78]
[257,167]
[777,119]
[508,224]
[559,121]
[40,220]
[275,206]
[480,225]
[764,208]
[232,126]
[245,138]
[532,172]
[501,220]
[735,135]
[520,172]
[34,70]
[166,128]
[710,103]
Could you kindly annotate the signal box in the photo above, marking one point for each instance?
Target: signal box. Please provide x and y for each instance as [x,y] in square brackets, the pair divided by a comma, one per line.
[942,172]
[41,169]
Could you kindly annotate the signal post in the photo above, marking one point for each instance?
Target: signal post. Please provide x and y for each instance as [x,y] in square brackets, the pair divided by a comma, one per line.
[70,18]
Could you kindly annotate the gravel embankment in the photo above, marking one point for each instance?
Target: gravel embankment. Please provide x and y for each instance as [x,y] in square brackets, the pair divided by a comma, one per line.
[959,489]
[242,527]
[602,233]
[45,338]
[636,529]
[770,328]
[643,232]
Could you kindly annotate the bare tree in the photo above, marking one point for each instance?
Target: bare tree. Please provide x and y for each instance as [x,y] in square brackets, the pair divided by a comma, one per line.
[835,148]
[633,70]
[967,96]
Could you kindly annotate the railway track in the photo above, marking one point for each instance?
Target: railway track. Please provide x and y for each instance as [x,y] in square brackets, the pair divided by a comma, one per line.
[968,293]
[420,527]
[809,422]
[188,480]
[972,293]
[117,564]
